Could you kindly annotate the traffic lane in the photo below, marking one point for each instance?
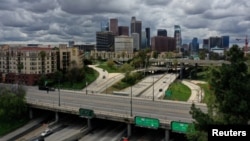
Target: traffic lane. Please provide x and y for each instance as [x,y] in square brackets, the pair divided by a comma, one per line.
[65,133]
[74,97]
[167,113]
[92,100]
[109,132]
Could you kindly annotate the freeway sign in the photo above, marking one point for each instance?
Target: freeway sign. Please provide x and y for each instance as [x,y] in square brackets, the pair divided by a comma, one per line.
[180,127]
[147,122]
[86,113]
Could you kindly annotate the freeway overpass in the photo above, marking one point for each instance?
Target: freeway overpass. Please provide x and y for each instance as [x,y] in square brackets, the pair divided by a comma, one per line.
[190,62]
[110,107]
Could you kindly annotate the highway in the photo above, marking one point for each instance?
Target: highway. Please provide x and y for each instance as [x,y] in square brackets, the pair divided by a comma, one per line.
[115,105]
[104,80]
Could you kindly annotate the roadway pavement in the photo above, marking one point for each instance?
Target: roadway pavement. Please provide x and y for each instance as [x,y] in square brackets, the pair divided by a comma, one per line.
[32,125]
[197,93]
[104,81]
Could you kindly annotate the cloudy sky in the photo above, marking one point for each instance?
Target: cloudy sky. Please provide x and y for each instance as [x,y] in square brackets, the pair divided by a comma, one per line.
[59,21]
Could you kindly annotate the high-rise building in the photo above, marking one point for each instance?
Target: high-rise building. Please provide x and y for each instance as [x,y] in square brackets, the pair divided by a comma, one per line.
[104,26]
[123,30]
[143,40]
[194,46]
[205,44]
[104,41]
[136,27]
[163,44]
[148,36]
[225,41]
[113,26]
[177,36]
[124,44]
[162,32]
[215,42]
[136,41]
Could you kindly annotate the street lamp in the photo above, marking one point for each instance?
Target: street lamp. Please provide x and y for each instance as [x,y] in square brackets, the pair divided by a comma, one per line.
[131,113]
[59,103]
[153,89]
[86,87]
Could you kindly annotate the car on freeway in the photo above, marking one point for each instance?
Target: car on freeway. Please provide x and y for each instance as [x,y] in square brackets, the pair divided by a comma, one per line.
[46,88]
[46,132]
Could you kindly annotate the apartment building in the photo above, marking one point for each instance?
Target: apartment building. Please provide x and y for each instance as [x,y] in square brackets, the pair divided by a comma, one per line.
[25,65]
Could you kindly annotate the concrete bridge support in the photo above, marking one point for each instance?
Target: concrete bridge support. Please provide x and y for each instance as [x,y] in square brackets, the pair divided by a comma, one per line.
[166,135]
[129,130]
[89,123]
[30,113]
[56,116]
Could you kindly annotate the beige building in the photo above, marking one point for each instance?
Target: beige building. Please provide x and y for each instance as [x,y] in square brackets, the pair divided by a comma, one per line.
[27,64]
[70,57]
[124,44]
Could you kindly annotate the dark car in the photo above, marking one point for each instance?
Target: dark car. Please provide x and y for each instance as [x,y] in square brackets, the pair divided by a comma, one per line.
[43,88]
[46,88]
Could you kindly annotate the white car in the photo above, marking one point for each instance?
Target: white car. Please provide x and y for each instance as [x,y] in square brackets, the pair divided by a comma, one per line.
[46,132]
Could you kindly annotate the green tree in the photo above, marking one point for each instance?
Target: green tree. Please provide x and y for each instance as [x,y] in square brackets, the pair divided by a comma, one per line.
[229,102]
[12,103]
[126,68]
[110,63]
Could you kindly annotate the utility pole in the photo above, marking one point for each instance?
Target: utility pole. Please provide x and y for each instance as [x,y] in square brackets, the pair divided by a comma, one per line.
[131,113]
[59,102]
[153,89]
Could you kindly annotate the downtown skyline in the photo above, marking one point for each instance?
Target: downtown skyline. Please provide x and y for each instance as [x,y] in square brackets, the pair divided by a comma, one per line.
[60,21]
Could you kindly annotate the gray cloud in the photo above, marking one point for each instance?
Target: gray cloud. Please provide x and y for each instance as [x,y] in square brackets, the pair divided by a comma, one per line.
[64,20]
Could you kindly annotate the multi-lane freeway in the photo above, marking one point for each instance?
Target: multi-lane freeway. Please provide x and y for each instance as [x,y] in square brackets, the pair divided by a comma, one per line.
[114,105]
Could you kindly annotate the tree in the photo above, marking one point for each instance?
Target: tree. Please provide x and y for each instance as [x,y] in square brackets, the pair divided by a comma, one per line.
[229,102]
[12,103]
[110,63]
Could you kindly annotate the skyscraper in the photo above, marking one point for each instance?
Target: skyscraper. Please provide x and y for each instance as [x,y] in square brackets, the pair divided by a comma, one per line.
[225,41]
[143,40]
[177,36]
[162,32]
[113,26]
[123,30]
[104,41]
[194,48]
[135,27]
[148,36]
[104,26]
[136,40]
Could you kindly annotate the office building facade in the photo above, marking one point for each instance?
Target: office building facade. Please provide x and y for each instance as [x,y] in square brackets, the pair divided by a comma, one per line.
[148,36]
[162,32]
[113,26]
[163,44]
[124,44]
[136,41]
[104,41]
[136,27]
[123,30]
[177,36]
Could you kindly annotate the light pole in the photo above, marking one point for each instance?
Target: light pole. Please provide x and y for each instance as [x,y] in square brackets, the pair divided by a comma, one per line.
[153,89]
[131,113]
[106,88]
[86,87]
[59,102]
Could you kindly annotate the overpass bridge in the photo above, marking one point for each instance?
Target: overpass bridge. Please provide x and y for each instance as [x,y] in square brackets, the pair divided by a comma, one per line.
[190,62]
[117,108]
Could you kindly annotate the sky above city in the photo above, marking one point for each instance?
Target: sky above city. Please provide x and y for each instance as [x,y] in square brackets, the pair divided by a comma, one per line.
[60,21]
